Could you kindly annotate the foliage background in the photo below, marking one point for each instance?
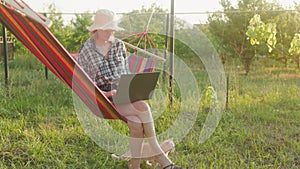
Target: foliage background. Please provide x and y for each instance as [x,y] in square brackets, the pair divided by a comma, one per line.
[260,128]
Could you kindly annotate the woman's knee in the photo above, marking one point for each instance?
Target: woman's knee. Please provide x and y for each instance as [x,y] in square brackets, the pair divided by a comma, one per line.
[141,106]
[135,126]
[143,111]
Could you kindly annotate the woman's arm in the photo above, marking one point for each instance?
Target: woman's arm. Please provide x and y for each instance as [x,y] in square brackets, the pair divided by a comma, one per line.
[110,93]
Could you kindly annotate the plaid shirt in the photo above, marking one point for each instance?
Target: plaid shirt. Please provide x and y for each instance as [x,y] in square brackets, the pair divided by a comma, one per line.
[104,72]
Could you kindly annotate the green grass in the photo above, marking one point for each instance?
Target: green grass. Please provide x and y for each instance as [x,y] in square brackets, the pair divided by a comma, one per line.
[40,129]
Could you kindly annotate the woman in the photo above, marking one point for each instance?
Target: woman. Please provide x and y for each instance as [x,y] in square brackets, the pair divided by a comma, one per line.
[103,58]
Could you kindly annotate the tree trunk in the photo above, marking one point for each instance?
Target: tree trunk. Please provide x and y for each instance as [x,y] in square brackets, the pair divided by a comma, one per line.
[247,65]
[298,62]
[285,61]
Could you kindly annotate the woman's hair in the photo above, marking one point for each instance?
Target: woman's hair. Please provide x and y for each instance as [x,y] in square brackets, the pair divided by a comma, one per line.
[92,33]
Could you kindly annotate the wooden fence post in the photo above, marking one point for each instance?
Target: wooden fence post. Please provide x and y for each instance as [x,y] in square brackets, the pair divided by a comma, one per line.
[5,54]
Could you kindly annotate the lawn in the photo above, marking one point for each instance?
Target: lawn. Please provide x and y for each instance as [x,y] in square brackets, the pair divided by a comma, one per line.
[260,128]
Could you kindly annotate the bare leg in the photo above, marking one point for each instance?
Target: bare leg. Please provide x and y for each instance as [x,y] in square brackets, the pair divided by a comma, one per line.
[136,140]
[160,156]
[142,111]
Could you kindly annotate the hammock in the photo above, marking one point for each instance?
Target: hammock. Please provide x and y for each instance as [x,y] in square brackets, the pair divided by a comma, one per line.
[140,64]
[136,64]
[48,50]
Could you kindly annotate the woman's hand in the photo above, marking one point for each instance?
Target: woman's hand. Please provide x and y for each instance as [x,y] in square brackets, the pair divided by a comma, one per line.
[110,93]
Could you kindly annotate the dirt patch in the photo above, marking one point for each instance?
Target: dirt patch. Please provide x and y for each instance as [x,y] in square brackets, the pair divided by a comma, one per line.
[289,76]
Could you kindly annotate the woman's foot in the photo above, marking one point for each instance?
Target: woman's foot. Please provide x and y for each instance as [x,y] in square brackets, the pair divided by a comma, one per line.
[134,163]
[172,166]
[167,146]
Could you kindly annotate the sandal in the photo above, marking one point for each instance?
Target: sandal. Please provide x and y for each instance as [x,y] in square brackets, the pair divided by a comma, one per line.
[172,166]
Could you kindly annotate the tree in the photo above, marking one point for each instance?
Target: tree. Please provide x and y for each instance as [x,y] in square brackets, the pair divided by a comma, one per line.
[230,26]
[73,35]
[152,19]
[218,36]
[152,22]
[58,24]
[295,48]
[258,32]
[286,28]
[295,43]
[79,33]
[147,25]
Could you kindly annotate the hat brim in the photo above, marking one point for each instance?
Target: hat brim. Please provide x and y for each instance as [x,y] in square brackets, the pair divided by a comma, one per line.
[111,26]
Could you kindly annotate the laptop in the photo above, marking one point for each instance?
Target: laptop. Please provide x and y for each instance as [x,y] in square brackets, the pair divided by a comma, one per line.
[135,87]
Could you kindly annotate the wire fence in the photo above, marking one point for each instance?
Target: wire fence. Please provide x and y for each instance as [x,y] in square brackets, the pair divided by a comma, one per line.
[195,17]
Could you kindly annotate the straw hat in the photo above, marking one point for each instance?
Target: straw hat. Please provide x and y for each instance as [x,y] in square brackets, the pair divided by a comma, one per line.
[104,20]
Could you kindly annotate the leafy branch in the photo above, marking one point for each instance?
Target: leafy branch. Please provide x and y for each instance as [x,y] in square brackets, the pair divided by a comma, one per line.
[258,32]
[295,45]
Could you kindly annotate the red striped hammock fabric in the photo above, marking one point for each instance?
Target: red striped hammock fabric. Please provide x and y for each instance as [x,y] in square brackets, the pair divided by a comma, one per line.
[139,64]
[41,42]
